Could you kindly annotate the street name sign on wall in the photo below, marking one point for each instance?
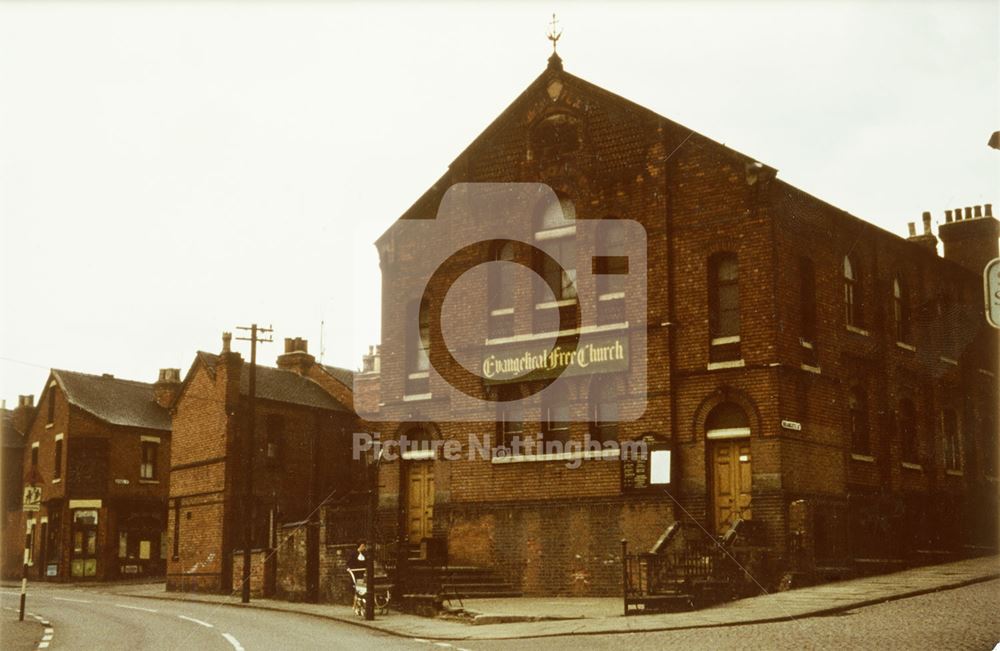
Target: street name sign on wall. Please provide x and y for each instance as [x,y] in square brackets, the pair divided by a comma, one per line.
[991,281]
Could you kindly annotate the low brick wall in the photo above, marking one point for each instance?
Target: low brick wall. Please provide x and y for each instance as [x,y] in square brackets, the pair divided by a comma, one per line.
[262,571]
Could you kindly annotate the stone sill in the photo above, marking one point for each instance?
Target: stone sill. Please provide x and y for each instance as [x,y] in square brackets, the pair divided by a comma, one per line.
[954,473]
[906,346]
[949,360]
[863,457]
[735,363]
[811,369]
[858,331]
[417,397]
[149,481]
[912,466]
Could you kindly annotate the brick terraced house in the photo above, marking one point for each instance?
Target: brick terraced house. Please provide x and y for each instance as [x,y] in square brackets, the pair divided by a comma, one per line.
[99,448]
[302,457]
[811,373]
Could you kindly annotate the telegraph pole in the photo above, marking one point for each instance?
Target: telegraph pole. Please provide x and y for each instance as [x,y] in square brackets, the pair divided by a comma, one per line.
[248,452]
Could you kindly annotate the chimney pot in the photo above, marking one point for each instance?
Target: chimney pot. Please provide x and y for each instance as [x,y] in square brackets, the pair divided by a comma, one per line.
[289,345]
[978,211]
[227,338]
[301,344]
[958,214]
[110,376]
[989,210]
[913,228]
[26,401]
[927,222]
[947,216]
[968,212]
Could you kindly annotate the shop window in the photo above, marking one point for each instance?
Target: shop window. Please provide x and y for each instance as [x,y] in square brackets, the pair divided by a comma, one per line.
[857,407]
[724,307]
[901,309]
[952,440]
[852,293]
[604,410]
[147,468]
[908,431]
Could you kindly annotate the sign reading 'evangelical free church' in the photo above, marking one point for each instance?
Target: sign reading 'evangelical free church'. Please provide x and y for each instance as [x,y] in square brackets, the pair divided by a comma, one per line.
[514,362]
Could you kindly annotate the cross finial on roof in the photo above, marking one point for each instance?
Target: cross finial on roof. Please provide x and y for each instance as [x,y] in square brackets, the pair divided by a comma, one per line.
[554,32]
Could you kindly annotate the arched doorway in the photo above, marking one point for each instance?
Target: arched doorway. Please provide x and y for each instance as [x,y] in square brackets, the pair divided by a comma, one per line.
[727,430]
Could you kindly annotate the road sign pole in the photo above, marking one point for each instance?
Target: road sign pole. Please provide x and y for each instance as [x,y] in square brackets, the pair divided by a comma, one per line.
[24,571]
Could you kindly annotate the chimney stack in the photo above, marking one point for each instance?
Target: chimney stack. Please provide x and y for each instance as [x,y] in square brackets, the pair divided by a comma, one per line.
[927,239]
[166,387]
[24,412]
[972,241]
[372,362]
[912,228]
[947,216]
[227,338]
[296,358]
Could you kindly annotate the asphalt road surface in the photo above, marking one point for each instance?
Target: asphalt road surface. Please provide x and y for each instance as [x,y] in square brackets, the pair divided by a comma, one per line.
[964,618]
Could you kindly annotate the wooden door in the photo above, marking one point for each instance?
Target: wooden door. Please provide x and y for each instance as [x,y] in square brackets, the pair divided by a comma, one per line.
[420,500]
[731,482]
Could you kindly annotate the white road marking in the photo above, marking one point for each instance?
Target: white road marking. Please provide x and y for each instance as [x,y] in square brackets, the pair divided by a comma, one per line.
[444,644]
[232,640]
[48,631]
[43,645]
[46,638]
[196,621]
[79,601]
[148,610]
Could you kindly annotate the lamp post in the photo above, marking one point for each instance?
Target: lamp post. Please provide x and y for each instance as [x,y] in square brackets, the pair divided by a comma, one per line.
[370,543]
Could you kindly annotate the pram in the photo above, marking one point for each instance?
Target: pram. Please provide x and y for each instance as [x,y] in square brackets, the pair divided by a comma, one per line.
[381,586]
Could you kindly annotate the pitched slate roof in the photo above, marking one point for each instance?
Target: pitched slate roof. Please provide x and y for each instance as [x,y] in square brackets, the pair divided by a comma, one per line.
[342,375]
[280,385]
[113,400]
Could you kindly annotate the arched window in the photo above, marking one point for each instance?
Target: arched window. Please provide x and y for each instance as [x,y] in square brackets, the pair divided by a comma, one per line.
[604,410]
[901,309]
[727,420]
[852,293]
[556,235]
[418,343]
[611,269]
[555,136]
[502,292]
[857,409]
[555,413]
[908,431]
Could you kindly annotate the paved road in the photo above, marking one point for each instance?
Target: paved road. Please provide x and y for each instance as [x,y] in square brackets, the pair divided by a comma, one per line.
[87,619]
[964,618]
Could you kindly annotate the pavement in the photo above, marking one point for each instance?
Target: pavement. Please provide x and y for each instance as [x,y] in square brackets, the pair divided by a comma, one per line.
[525,617]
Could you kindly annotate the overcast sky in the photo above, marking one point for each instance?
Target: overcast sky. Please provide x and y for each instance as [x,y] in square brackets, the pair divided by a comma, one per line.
[170,171]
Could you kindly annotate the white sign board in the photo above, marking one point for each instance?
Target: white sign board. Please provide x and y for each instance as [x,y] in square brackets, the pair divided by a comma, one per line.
[991,281]
[32,498]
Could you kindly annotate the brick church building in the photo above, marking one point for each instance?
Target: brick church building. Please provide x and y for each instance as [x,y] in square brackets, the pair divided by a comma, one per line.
[827,380]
